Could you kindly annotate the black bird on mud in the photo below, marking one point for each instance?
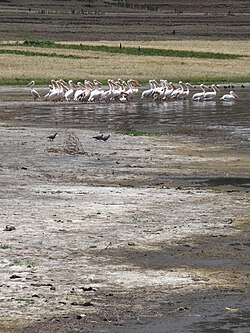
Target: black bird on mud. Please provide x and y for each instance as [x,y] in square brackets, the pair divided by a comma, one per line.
[52,137]
[98,137]
[101,137]
[105,137]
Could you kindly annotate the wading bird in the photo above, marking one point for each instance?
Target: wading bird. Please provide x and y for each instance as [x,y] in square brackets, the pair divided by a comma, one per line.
[209,95]
[52,137]
[229,97]
[34,93]
[200,95]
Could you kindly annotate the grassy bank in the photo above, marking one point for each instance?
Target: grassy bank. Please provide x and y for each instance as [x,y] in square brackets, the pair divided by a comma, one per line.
[44,60]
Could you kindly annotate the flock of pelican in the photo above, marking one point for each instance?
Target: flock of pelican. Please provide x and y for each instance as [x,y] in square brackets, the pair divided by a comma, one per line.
[165,90]
[59,90]
[124,91]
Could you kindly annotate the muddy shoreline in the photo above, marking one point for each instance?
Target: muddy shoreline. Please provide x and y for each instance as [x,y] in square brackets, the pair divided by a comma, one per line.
[120,236]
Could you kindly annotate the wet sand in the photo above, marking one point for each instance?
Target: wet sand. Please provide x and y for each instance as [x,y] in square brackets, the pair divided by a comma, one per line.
[135,234]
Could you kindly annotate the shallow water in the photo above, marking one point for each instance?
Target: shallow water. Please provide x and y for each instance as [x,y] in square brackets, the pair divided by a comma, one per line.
[143,115]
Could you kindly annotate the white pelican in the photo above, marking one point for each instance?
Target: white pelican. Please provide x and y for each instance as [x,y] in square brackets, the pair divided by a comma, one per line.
[46,97]
[200,95]
[132,84]
[117,92]
[122,88]
[132,90]
[69,94]
[186,92]
[34,93]
[53,92]
[58,90]
[229,97]
[209,95]
[159,91]
[80,90]
[108,94]
[148,92]
[169,90]
[87,91]
[96,92]
[177,92]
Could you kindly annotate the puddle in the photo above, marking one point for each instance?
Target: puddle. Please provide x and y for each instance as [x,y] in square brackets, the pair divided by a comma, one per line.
[238,322]
[227,181]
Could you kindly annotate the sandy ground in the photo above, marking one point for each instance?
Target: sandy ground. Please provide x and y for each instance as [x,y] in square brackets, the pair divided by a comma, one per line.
[135,234]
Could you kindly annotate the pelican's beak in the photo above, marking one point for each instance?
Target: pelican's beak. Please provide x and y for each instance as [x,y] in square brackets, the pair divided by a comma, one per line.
[136,83]
[29,84]
[235,95]
[190,85]
[217,88]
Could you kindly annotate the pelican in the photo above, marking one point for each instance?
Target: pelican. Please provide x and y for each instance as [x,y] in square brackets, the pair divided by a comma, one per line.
[96,92]
[186,92]
[80,90]
[58,91]
[122,88]
[117,92]
[209,95]
[148,92]
[178,92]
[46,97]
[34,93]
[69,94]
[107,95]
[200,95]
[168,91]
[159,92]
[229,97]
[53,92]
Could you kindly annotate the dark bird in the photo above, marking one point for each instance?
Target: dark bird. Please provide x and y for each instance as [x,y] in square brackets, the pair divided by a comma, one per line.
[105,137]
[52,137]
[98,137]
[242,86]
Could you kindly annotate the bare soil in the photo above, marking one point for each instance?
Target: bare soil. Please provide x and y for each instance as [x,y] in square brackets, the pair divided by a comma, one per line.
[135,234]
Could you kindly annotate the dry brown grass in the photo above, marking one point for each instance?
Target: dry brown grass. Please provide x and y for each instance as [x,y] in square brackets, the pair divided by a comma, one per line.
[102,65]
[232,47]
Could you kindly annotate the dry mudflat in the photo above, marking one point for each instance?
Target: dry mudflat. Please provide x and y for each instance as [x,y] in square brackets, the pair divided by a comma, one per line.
[135,234]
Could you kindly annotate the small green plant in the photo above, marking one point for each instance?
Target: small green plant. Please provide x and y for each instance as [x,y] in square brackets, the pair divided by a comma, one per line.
[4,246]
[54,150]
[25,262]
[133,132]
[39,54]
[39,43]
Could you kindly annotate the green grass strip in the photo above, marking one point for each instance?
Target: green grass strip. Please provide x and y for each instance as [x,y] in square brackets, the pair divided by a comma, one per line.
[39,54]
[138,51]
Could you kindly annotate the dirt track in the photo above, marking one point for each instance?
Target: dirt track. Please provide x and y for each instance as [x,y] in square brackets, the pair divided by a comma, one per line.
[119,238]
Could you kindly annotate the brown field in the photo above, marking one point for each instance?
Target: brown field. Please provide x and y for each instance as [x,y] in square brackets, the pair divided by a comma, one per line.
[214,27]
[132,20]
[103,66]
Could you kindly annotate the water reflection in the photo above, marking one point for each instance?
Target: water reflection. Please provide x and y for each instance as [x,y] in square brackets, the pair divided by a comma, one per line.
[146,115]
